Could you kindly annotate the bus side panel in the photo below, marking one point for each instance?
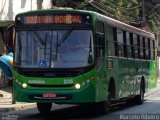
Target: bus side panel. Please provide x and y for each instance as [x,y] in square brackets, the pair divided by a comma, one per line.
[124,78]
[152,75]
[137,64]
[128,77]
[101,83]
[113,72]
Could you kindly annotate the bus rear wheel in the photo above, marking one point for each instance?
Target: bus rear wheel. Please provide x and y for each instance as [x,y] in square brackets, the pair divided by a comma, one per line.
[44,108]
[140,98]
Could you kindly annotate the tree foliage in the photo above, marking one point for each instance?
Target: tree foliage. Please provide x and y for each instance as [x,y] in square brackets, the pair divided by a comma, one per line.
[128,11]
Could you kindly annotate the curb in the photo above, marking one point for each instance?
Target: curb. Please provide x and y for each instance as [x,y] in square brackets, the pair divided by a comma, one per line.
[150,92]
[16,107]
[6,109]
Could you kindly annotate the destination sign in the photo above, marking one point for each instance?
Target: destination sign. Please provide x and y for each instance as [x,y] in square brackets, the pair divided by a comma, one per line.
[48,19]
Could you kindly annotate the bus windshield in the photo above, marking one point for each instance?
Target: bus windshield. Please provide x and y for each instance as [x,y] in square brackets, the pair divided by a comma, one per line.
[54,49]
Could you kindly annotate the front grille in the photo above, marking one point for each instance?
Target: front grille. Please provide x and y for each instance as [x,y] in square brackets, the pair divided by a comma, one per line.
[50,86]
[53,73]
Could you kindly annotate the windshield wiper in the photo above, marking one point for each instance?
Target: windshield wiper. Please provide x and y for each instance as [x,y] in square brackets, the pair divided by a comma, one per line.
[64,37]
[39,37]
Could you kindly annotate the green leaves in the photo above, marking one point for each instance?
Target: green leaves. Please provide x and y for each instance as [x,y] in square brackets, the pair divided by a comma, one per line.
[128,11]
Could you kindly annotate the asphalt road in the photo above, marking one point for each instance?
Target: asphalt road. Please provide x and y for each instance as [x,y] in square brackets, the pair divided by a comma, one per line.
[150,110]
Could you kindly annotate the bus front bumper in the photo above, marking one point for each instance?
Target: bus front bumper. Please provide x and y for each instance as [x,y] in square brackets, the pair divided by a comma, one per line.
[63,96]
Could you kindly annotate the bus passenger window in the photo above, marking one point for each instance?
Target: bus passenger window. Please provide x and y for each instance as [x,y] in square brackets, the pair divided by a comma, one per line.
[115,41]
[135,44]
[132,46]
[125,44]
[152,47]
[149,49]
[120,43]
[141,48]
[129,47]
[146,48]
[138,42]
[153,50]
[110,41]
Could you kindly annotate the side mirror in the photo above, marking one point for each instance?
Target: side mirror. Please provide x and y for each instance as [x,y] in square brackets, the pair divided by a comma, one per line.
[9,38]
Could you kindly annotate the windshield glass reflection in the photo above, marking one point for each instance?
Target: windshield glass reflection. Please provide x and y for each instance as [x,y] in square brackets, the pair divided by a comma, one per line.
[54,49]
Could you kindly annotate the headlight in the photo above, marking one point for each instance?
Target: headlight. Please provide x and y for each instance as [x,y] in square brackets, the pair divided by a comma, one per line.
[24,85]
[77,86]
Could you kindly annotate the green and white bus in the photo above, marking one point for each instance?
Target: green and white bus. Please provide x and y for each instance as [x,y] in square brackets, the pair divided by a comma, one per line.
[78,56]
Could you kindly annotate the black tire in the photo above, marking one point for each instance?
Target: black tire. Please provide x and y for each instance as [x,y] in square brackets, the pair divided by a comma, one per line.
[140,98]
[104,107]
[89,109]
[44,108]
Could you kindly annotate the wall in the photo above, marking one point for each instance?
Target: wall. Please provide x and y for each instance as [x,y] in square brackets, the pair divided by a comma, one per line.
[9,8]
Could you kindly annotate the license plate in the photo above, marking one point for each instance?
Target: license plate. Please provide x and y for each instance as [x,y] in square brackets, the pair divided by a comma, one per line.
[49,95]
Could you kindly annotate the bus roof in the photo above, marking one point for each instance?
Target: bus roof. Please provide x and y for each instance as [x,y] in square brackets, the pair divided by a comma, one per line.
[108,20]
[125,26]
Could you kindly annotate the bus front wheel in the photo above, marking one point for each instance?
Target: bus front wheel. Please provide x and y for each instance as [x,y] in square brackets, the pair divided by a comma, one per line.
[104,107]
[44,108]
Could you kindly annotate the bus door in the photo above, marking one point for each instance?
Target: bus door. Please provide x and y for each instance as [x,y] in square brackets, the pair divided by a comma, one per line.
[100,64]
